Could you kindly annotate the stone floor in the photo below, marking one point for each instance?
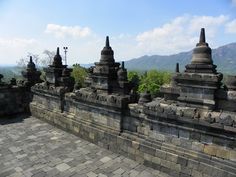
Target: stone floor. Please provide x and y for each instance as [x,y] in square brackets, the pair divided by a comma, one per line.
[30,147]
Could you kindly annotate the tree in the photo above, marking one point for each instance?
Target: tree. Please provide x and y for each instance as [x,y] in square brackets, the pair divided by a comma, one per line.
[133,77]
[48,59]
[79,73]
[153,80]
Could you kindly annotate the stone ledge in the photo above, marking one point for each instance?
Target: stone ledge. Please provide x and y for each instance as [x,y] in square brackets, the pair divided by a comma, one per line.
[131,147]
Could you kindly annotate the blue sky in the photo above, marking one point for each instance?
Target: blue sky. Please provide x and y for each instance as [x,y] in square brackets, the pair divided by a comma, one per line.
[135,27]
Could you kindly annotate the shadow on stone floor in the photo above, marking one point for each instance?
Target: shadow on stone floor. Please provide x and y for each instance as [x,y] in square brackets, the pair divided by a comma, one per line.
[16,118]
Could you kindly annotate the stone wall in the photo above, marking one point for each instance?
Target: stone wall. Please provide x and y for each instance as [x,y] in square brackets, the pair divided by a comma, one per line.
[14,100]
[187,133]
[165,141]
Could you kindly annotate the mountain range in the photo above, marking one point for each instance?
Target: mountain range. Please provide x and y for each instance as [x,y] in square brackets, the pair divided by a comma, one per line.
[224,57]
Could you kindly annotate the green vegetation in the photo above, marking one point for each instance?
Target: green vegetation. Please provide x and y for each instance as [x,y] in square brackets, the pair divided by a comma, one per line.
[150,81]
[79,73]
[134,78]
[9,72]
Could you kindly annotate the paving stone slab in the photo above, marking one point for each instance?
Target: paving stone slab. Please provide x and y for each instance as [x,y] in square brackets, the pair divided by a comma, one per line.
[33,148]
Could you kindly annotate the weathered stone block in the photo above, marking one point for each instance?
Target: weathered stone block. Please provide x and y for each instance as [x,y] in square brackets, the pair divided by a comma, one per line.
[205,168]
[147,157]
[182,161]
[160,153]
[210,149]
[206,138]
[171,157]
[156,160]
[197,146]
[131,150]
[196,173]
[232,155]
[147,149]
[184,134]
[135,144]
[176,141]
[186,170]
[223,153]
[195,136]
[91,135]
[192,164]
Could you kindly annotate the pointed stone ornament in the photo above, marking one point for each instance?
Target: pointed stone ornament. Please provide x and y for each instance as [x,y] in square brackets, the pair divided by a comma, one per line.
[31,65]
[58,51]
[199,91]
[202,36]
[108,76]
[31,75]
[57,60]
[122,72]
[123,65]
[107,54]
[202,58]
[31,60]
[107,42]
[177,68]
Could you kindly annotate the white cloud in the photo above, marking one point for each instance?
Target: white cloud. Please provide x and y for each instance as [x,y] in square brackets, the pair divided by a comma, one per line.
[65,31]
[16,42]
[209,22]
[12,49]
[179,35]
[231,26]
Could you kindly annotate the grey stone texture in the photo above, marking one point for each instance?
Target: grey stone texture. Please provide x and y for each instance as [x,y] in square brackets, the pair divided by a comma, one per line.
[30,147]
[107,83]
[14,100]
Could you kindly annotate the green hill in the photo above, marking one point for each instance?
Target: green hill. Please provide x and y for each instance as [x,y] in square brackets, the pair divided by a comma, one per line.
[224,57]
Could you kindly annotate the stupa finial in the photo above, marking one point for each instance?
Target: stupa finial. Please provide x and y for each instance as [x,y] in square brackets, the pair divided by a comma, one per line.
[177,68]
[123,65]
[107,42]
[58,51]
[202,38]
[31,60]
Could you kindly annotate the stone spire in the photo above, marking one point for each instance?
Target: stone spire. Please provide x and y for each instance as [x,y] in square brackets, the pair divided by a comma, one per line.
[202,52]
[57,61]
[122,72]
[1,76]
[200,81]
[177,68]
[107,54]
[31,65]
[202,36]
[31,75]
[107,42]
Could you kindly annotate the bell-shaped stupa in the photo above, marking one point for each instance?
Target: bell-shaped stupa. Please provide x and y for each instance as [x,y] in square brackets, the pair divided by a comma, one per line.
[201,59]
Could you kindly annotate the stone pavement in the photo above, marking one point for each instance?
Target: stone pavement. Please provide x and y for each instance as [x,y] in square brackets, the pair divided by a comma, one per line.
[30,147]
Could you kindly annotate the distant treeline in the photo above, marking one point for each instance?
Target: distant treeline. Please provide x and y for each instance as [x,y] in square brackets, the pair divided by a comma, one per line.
[9,72]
